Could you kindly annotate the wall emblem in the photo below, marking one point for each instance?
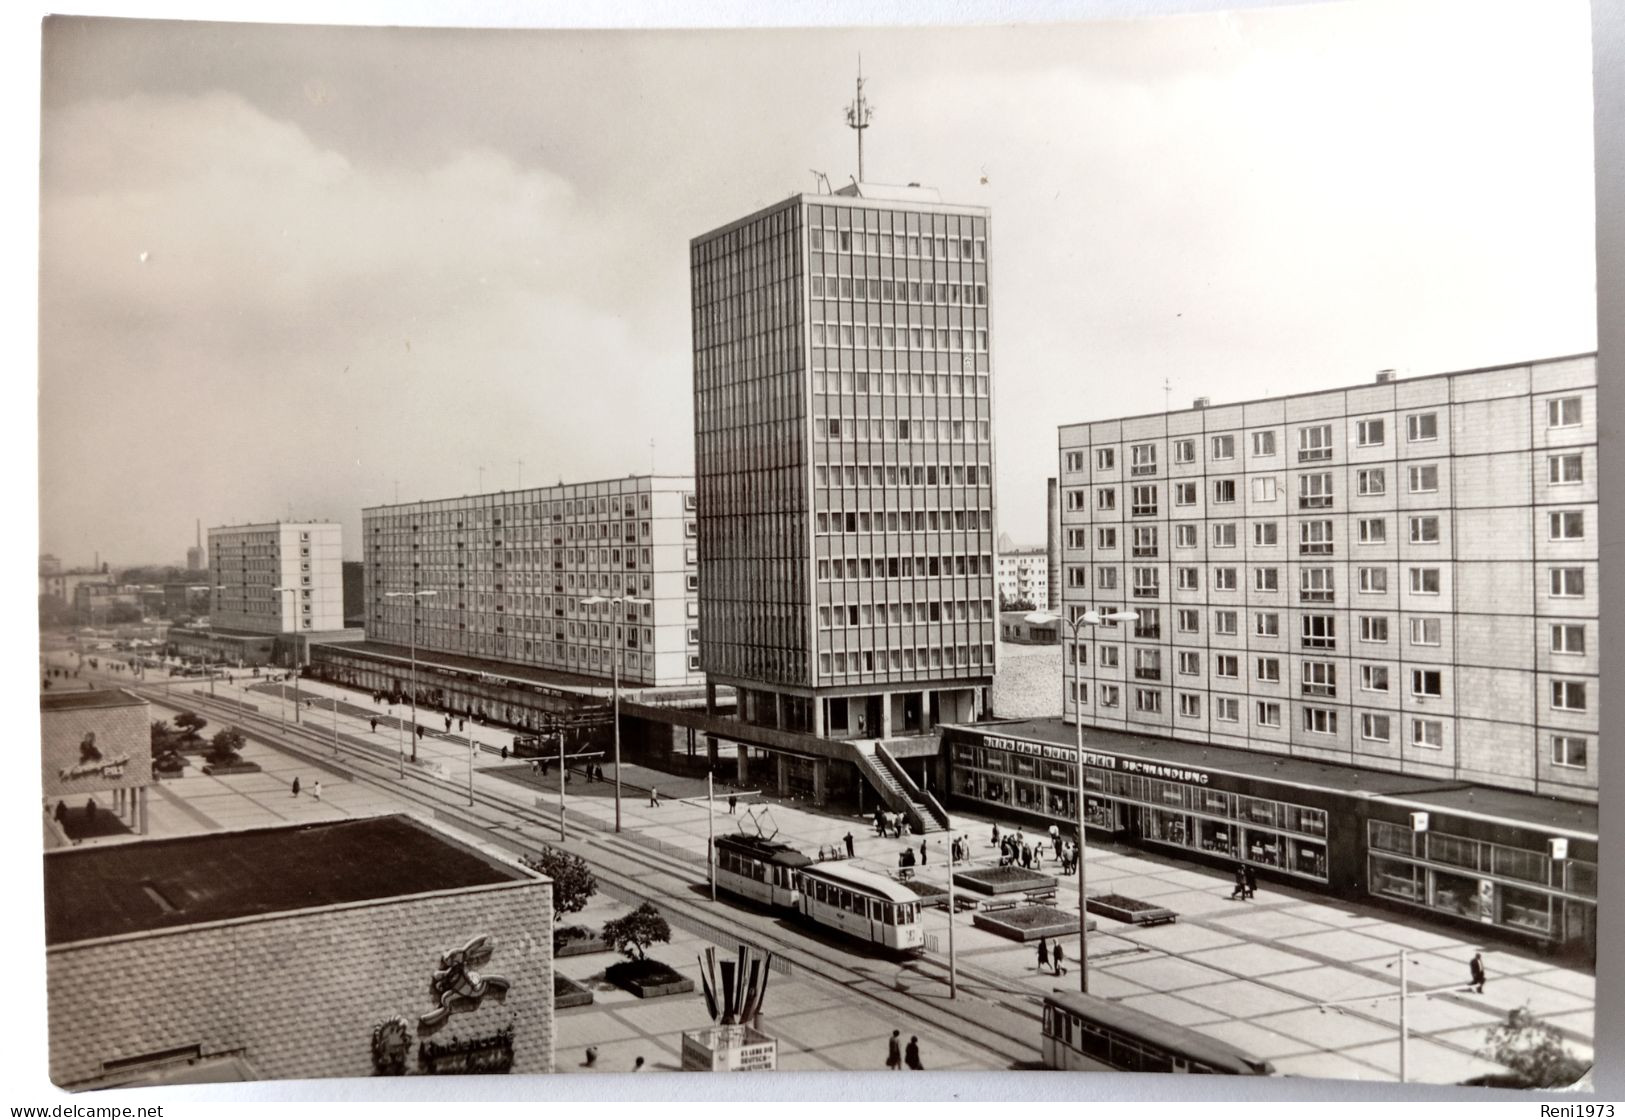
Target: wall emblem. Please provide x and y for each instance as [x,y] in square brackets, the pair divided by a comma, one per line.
[456,986]
[88,751]
[391,1041]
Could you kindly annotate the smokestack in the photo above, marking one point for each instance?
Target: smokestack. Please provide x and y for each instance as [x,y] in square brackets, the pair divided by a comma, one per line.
[1384,376]
[1052,507]
[200,534]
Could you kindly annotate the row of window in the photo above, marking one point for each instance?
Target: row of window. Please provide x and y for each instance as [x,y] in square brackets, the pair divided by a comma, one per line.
[1314,490]
[1317,630]
[1314,441]
[891,338]
[1313,583]
[893,384]
[551,510]
[905,521]
[893,476]
[904,660]
[1315,536]
[903,614]
[829,239]
[902,567]
[886,290]
[862,429]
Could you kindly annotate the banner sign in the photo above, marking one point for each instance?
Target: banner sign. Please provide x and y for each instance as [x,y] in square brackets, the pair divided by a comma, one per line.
[1098,761]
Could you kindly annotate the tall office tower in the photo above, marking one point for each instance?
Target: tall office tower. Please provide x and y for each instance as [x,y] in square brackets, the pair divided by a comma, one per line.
[1400,575]
[282,577]
[844,454]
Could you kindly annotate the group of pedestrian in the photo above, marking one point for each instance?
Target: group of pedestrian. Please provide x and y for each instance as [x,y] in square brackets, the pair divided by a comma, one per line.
[315,788]
[1052,957]
[895,823]
[961,849]
[1016,849]
[898,1056]
[1246,883]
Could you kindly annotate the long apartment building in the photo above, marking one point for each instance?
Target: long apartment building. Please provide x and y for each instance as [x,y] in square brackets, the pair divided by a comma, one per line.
[1024,576]
[844,454]
[509,572]
[279,577]
[1399,575]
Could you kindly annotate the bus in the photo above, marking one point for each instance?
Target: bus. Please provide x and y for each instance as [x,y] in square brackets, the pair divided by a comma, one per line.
[1084,1032]
[760,870]
[862,904]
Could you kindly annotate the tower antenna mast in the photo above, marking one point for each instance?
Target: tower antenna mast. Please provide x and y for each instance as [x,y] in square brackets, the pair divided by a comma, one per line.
[857,117]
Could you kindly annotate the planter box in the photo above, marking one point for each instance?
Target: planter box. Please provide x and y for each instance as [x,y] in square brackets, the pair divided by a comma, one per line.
[644,990]
[235,768]
[1028,923]
[1002,880]
[580,947]
[567,993]
[1130,910]
[648,979]
[729,1049]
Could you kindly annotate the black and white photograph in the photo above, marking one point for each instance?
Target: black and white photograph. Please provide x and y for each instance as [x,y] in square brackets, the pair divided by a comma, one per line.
[1066,545]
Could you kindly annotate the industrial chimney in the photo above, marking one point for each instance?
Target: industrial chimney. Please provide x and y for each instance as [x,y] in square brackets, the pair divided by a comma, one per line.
[1053,552]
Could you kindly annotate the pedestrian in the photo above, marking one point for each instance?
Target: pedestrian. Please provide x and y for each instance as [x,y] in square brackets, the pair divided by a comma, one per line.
[504,752]
[850,853]
[461,725]
[1252,881]
[637,1066]
[316,789]
[654,798]
[1059,959]
[894,1051]
[1043,953]
[1240,890]
[880,823]
[374,722]
[1476,968]
[923,860]
[995,835]
[1038,857]
[296,787]
[911,1056]
[733,804]
[592,1056]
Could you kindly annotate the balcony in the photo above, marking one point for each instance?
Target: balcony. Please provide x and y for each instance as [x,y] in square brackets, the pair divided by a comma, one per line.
[1315,501]
[1319,689]
[1145,674]
[1309,596]
[1152,592]
[1152,632]
[1314,454]
[1319,642]
[1142,470]
[1316,548]
[1145,551]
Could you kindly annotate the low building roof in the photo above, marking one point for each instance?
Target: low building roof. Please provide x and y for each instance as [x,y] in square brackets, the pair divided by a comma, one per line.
[90,698]
[152,885]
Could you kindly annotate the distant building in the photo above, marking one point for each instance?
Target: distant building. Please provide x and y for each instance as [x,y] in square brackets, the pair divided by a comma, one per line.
[92,601]
[253,564]
[49,565]
[354,574]
[1024,577]
[319,950]
[65,585]
[194,559]
[1033,628]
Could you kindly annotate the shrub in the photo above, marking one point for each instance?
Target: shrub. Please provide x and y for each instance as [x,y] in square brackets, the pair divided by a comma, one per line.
[225,746]
[1533,1050]
[634,932]
[190,724]
[574,884]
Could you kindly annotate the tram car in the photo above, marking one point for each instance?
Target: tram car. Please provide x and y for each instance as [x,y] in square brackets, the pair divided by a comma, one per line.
[1083,1032]
[760,870]
[863,905]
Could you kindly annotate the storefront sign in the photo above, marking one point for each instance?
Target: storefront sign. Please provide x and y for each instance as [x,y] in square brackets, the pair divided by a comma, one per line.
[1098,761]
[490,1054]
[91,762]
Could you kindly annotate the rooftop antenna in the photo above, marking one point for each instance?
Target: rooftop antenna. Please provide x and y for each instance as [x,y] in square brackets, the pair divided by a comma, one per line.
[1167,392]
[821,182]
[521,474]
[481,490]
[397,491]
[651,456]
[857,117]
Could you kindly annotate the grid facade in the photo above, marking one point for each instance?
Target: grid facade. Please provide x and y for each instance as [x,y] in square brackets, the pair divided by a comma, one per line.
[252,561]
[509,571]
[844,450]
[1400,575]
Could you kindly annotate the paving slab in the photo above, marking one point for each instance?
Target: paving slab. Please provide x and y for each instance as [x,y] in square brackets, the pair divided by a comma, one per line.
[1412,937]
[1180,937]
[1256,1041]
[1327,1030]
[1166,974]
[1190,904]
[1249,959]
[1327,1065]
[1265,924]
[1569,980]
[1326,983]
[1172,1009]
[1341,945]
[1329,913]
[1426,1061]
[1243,999]
[1434,1016]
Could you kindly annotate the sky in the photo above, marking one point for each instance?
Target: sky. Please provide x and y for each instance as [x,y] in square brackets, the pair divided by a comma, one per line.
[296,271]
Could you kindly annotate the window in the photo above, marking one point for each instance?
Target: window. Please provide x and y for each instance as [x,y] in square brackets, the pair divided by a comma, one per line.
[1267,624]
[1144,501]
[1321,721]
[1319,631]
[1568,750]
[1106,539]
[1266,532]
[1190,705]
[1189,579]
[1315,585]
[1422,426]
[1106,459]
[1371,482]
[1224,622]
[1106,499]
[1184,536]
[1269,714]
[1227,665]
[1148,700]
[1224,447]
[1106,579]
[1314,491]
[1427,733]
[1189,621]
[1568,583]
[1108,696]
[1425,632]
[1268,669]
[1077,538]
[1184,451]
[1265,489]
[1263,444]
[1143,459]
[1190,663]
[1315,538]
[1374,728]
[1373,581]
[1149,623]
[1224,491]
[1145,540]
[1369,433]
[1373,678]
[1224,536]
[1224,579]
[1569,696]
[1077,576]
[1314,443]
[1425,479]
[1108,657]
[1424,530]
[1227,709]
[1266,579]
[1564,412]
[1319,678]
[1184,493]
[1568,525]
[1147,583]
[1561,470]
[1427,682]
[1424,581]
[1568,637]
[1373,530]
[1373,628]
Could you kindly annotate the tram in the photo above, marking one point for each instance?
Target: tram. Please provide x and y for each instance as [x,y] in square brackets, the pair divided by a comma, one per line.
[1083,1032]
[862,904]
[760,870]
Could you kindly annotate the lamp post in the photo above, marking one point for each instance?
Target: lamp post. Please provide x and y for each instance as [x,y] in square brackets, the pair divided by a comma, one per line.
[616,601]
[414,596]
[1087,618]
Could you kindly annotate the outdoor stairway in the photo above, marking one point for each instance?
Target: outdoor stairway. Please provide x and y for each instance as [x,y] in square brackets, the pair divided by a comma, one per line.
[897,789]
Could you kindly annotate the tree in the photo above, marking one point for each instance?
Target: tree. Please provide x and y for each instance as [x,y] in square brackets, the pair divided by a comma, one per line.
[190,724]
[1533,1050]
[163,737]
[124,612]
[573,881]
[633,933]
[224,748]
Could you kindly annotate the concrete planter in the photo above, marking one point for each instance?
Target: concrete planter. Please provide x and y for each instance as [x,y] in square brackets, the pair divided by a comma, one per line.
[580,947]
[1028,923]
[1132,910]
[567,993]
[1002,880]
[668,988]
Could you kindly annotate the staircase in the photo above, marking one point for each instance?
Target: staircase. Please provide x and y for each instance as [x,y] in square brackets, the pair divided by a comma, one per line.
[897,789]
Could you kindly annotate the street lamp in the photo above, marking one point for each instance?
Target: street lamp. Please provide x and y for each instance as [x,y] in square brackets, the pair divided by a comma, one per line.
[1087,618]
[413,595]
[616,601]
